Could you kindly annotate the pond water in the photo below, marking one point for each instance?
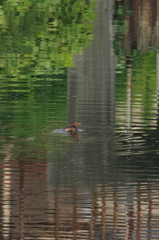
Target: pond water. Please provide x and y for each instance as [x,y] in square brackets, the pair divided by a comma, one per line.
[92,62]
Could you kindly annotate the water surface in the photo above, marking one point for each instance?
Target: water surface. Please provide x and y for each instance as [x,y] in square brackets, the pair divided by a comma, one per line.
[76,61]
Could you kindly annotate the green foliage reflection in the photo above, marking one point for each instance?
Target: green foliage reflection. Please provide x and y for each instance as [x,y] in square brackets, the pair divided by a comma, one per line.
[136,63]
[143,81]
[38,40]
[44,35]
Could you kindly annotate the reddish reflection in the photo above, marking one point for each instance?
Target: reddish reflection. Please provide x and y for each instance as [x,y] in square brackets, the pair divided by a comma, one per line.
[96,212]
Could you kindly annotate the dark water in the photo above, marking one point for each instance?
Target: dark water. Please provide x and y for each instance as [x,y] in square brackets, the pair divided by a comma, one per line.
[62,62]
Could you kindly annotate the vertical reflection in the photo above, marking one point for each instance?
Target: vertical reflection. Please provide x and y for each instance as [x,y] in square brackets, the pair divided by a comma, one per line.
[115,209]
[21,213]
[93,214]
[157,73]
[138,212]
[129,104]
[130,217]
[91,83]
[56,214]
[103,214]
[129,95]
[91,97]
[6,194]
[149,212]
[75,214]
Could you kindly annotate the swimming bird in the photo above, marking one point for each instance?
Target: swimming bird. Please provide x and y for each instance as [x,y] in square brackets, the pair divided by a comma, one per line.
[72,129]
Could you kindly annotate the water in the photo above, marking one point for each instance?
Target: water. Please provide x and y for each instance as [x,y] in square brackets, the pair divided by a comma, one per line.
[61,63]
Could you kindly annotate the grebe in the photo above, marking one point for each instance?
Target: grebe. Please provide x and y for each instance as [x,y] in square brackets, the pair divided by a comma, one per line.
[72,129]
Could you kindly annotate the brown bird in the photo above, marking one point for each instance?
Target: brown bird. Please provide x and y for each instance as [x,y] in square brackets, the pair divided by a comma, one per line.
[72,129]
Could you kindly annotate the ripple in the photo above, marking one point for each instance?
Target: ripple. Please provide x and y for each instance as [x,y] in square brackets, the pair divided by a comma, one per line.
[62,131]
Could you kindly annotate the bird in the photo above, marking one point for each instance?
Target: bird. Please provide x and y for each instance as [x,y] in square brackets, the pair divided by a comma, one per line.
[73,128]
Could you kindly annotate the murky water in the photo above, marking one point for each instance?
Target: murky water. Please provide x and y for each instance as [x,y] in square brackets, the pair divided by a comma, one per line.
[75,61]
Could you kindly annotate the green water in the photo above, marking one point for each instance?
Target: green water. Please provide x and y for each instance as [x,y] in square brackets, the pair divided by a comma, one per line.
[38,42]
[63,61]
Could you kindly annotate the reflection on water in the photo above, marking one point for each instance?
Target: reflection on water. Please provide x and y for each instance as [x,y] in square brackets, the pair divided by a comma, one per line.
[105,212]
[102,182]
